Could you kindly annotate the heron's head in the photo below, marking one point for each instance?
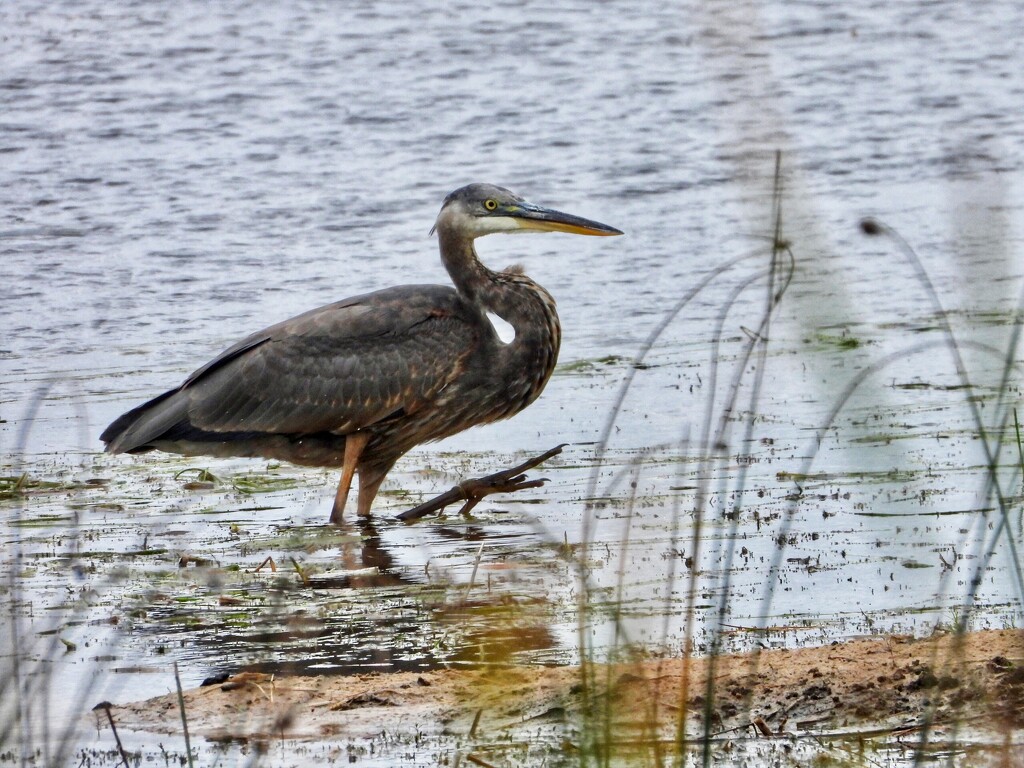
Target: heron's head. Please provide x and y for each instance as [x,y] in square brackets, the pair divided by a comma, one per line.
[482,209]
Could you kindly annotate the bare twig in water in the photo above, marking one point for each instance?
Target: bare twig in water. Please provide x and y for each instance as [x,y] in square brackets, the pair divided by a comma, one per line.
[476,722]
[473,491]
[267,561]
[472,576]
[105,706]
[184,720]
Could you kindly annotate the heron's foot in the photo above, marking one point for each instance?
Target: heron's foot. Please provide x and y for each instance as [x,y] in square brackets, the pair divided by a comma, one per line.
[473,491]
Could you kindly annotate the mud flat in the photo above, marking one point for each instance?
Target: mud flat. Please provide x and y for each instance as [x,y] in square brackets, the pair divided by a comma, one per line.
[889,688]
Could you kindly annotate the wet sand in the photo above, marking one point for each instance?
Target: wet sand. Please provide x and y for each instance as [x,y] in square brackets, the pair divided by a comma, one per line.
[888,686]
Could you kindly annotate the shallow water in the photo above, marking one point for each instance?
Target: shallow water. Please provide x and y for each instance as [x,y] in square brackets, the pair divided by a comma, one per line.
[175,176]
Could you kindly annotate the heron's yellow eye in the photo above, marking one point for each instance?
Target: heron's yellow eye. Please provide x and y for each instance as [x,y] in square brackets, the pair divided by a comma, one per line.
[490,205]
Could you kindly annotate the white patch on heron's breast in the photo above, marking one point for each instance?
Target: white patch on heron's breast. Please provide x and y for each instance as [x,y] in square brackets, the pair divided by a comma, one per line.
[505,330]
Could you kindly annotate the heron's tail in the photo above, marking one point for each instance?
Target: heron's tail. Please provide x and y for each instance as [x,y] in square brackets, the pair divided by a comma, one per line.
[137,430]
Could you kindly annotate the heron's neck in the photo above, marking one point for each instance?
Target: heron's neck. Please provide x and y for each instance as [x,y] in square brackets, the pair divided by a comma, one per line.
[514,297]
[472,279]
[526,363]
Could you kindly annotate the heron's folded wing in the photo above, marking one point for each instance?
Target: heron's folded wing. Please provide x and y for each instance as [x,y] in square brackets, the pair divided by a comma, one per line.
[338,368]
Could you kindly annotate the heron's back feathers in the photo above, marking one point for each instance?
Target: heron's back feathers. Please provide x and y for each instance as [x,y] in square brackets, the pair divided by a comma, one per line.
[332,370]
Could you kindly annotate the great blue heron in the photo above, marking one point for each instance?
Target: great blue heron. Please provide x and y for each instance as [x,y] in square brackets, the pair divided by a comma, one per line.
[359,382]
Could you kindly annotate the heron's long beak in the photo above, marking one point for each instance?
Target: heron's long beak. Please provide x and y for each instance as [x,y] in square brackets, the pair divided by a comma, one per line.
[534,217]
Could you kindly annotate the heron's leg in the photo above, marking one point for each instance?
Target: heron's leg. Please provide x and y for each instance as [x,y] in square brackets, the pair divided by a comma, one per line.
[354,445]
[369,483]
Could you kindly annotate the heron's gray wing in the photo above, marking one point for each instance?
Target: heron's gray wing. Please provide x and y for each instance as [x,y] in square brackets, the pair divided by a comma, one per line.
[338,368]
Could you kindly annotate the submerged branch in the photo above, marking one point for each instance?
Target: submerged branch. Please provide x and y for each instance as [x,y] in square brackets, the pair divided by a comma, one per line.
[473,491]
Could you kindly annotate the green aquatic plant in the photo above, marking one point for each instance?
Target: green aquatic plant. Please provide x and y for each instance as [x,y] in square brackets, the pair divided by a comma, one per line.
[251,483]
[18,486]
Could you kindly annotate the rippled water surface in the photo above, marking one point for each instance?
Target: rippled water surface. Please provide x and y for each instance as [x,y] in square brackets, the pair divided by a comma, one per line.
[174,176]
